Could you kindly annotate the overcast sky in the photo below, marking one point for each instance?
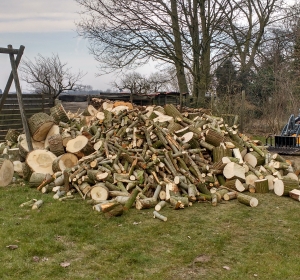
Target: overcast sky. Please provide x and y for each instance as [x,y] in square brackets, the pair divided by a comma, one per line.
[46,27]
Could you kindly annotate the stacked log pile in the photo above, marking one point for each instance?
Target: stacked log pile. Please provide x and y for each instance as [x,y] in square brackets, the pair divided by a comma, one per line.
[119,156]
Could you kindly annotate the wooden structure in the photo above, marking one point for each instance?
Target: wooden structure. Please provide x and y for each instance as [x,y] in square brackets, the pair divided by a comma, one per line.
[14,77]
[10,117]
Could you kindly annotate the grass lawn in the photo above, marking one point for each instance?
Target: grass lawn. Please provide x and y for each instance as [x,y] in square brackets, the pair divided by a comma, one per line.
[229,241]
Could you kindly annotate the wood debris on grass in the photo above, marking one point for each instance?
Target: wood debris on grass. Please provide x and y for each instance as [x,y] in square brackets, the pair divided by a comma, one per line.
[116,156]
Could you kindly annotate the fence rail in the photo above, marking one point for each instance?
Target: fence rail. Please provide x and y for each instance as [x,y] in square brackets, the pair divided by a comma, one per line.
[10,116]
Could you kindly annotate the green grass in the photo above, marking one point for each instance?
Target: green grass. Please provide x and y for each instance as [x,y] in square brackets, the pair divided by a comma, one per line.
[255,243]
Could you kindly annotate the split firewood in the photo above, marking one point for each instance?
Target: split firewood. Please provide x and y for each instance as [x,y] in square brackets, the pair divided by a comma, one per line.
[233,170]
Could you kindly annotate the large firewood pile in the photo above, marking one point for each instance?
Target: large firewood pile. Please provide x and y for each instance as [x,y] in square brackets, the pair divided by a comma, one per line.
[117,156]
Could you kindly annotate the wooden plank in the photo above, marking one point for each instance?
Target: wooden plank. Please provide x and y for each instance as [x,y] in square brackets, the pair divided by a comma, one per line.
[28,106]
[9,50]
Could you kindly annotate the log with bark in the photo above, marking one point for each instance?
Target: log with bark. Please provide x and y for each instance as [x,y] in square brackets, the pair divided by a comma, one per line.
[6,172]
[39,125]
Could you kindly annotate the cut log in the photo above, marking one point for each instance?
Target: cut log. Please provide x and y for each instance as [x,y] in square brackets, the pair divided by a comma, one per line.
[23,146]
[159,216]
[295,194]
[40,161]
[12,135]
[6,172]
[261,186]
[247,200]
[219,152]
[56,144]
[189,138]
[160,205]
[230,196]
[64,161]
[18,168]
[233,170]
[80,146]
[54,130]
[270,179]
[39,125]
[66,137]
[37,178]
[235,184]
[214,137]
[90,111]
[254,159]
[145,203]
[37,204]
[99,192]
[237,154]
[59,114]
[250,178]
[284,186]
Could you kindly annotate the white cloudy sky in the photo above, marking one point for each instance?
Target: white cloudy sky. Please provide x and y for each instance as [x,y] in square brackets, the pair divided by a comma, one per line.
[46,27]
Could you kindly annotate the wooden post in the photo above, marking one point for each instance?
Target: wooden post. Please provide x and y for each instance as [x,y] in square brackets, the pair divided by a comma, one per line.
[11,77]
[20,101]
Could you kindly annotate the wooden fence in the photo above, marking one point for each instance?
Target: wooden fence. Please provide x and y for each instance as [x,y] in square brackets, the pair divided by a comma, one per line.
[10,116]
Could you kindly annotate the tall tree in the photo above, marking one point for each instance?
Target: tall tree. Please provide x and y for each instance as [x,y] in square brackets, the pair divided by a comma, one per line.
[247,22]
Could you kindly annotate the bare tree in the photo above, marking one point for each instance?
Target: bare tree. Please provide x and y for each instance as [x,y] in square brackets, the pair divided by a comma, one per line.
[50,76]
[139,84]
[248,25]
[126,34]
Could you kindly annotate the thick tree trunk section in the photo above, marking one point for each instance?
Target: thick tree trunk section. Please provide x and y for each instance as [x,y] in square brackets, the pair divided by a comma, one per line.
[59,114]
[80,146]
[40,161]
[64,161]
[39,125]
[99,192]
[56,145]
